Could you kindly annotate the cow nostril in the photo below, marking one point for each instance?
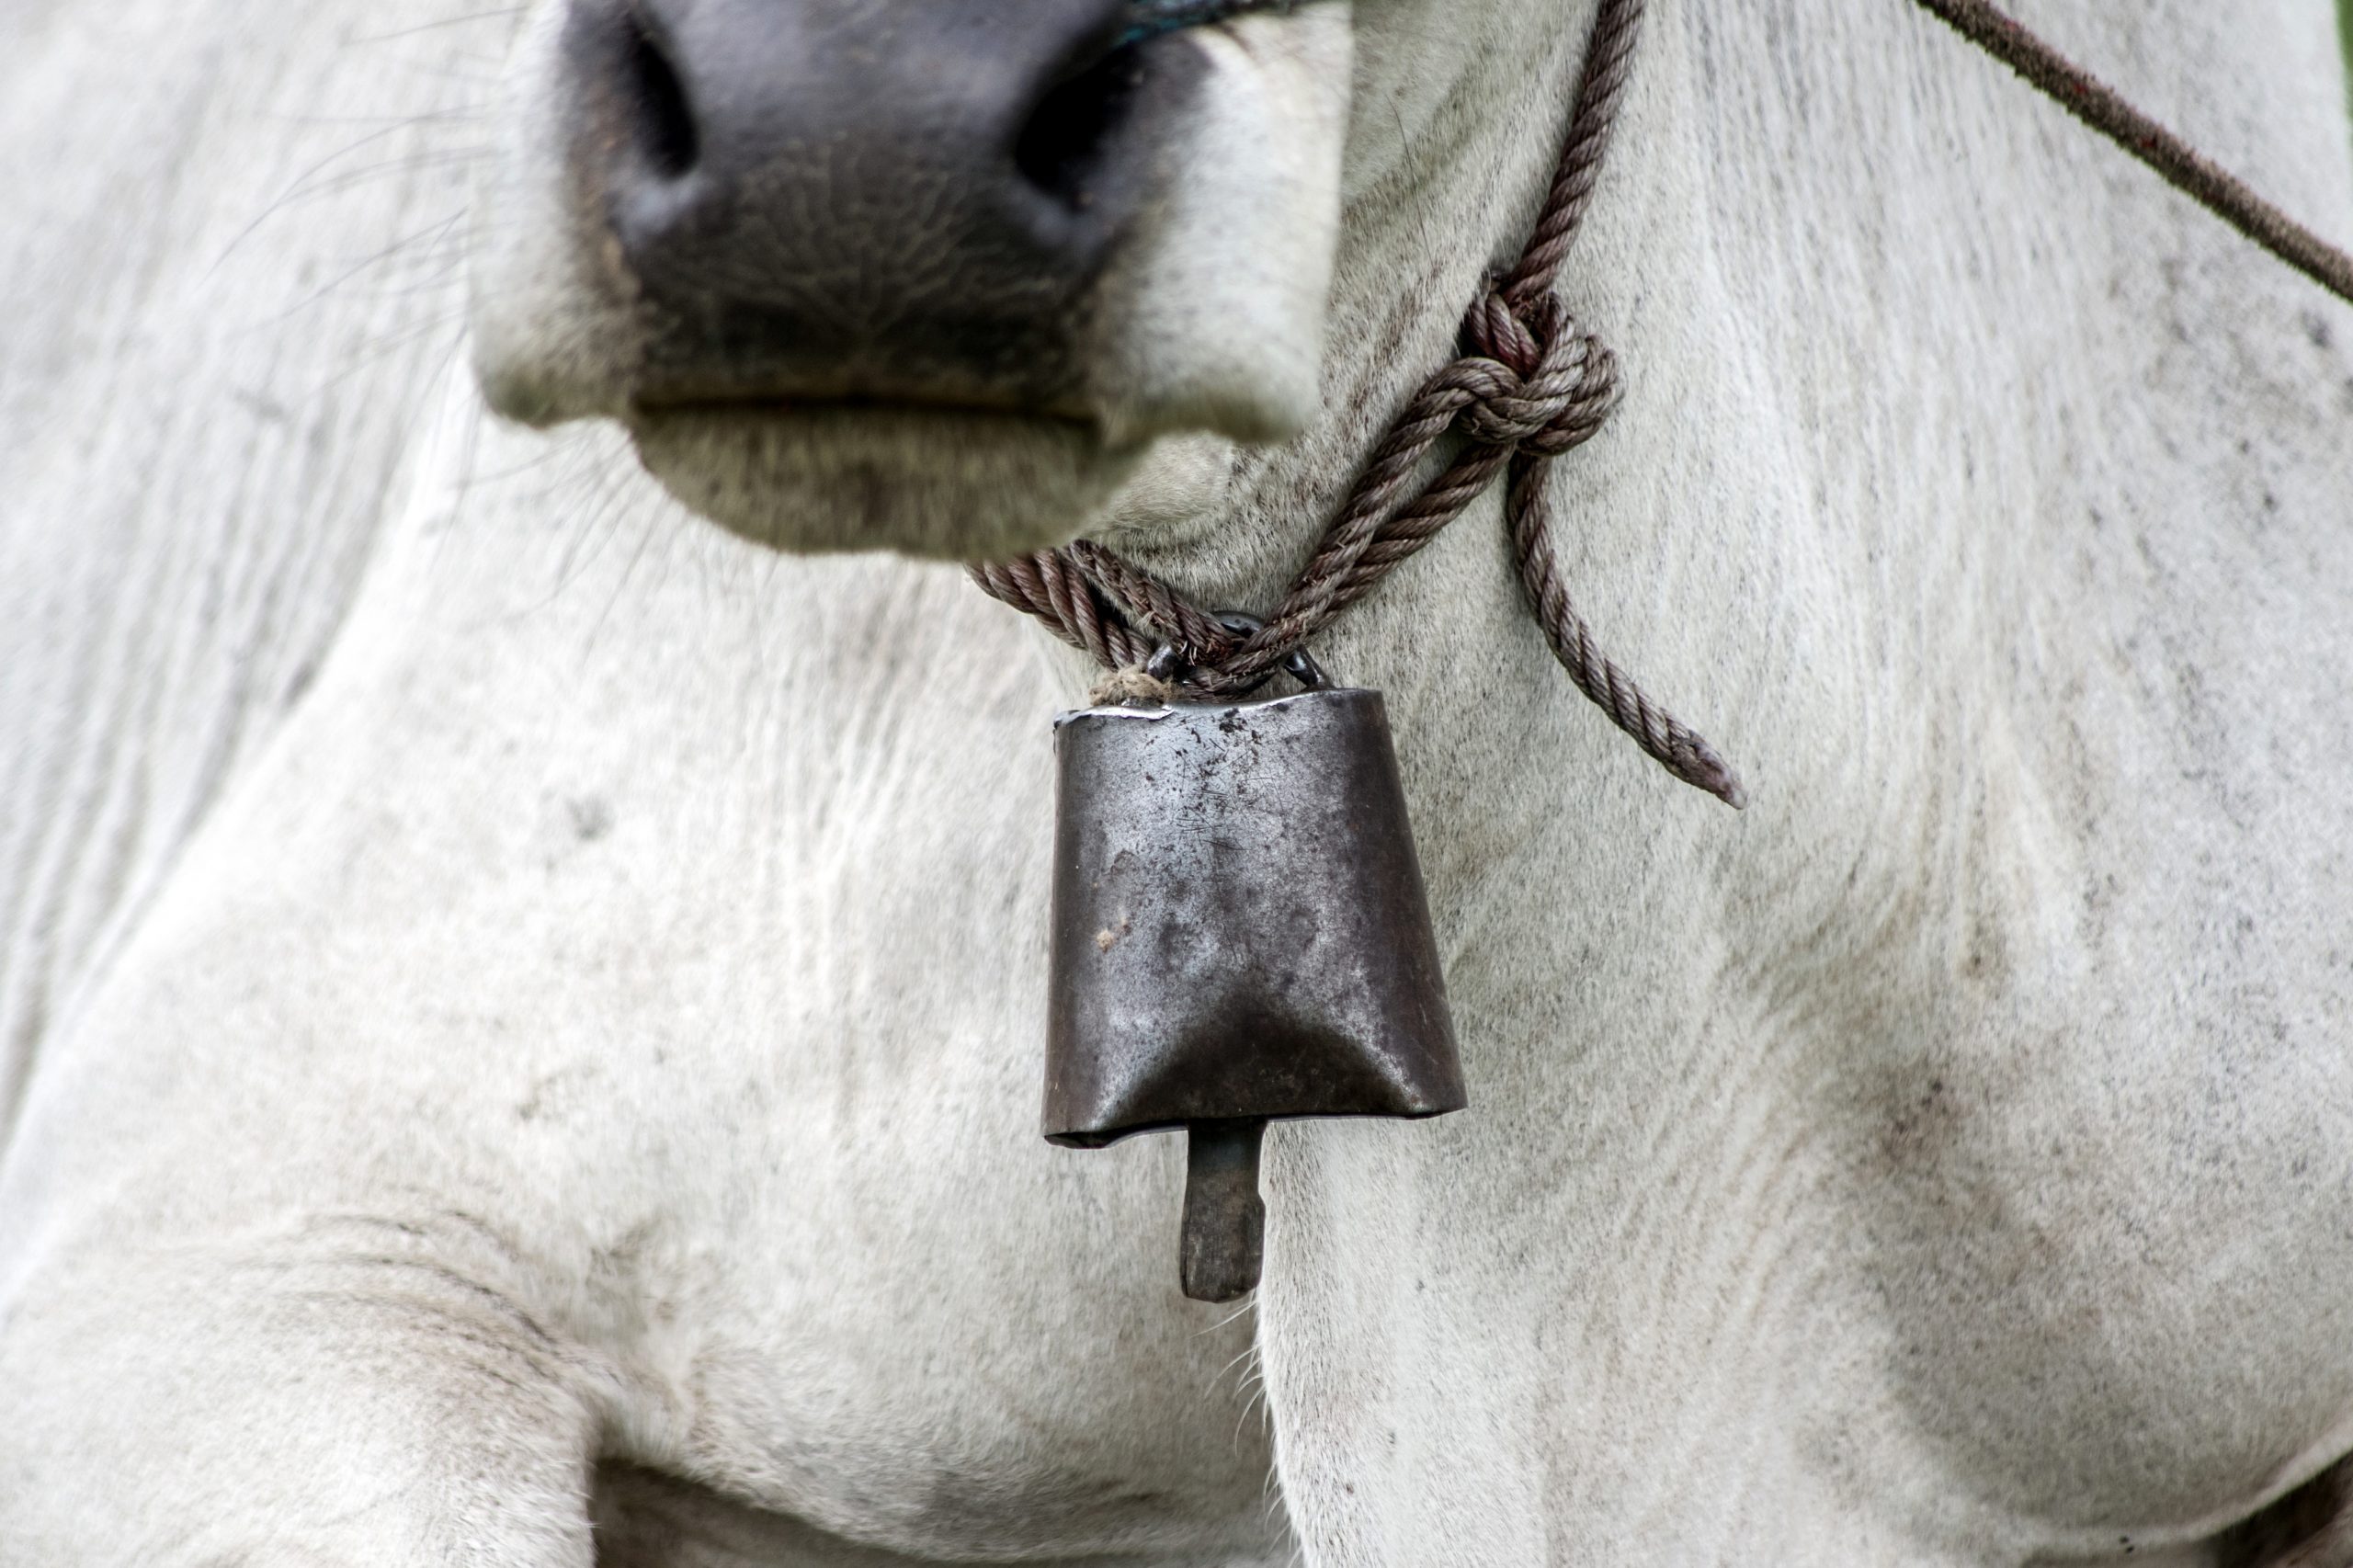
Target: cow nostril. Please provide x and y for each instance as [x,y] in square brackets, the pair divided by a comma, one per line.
[665,121]
[1060,148]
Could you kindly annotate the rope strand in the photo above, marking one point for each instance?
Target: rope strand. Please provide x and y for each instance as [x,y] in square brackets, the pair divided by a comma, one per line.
[2099,106]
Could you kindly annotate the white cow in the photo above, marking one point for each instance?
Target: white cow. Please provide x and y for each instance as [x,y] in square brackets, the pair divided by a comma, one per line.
[573,1099]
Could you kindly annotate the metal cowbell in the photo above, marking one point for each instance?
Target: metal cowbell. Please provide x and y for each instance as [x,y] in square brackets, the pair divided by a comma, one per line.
[1240,935]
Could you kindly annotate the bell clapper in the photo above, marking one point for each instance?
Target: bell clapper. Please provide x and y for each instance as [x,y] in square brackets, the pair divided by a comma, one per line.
[1225,1220]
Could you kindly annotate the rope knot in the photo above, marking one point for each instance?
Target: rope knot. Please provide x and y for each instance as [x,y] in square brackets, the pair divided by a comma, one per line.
[1539,385]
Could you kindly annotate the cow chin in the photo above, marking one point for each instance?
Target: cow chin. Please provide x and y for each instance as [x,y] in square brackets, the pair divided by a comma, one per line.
[941,484]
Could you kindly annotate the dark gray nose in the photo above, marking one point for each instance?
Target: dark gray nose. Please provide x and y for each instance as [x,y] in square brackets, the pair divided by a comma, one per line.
[868,200]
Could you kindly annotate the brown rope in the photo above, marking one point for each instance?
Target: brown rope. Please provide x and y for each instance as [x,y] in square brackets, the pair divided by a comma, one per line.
[2096,105]
[1530,385]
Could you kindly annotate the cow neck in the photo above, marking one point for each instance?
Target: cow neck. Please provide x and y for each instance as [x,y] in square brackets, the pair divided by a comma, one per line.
[1530,385]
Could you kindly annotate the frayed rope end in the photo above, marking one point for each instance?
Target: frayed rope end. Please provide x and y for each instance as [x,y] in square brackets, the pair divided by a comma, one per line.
[1131,688]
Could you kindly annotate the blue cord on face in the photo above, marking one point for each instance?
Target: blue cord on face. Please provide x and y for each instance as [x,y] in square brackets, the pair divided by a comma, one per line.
[1153,17]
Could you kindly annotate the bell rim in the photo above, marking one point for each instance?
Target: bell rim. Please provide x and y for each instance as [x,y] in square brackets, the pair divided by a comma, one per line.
[1160,710]
[1080,1138]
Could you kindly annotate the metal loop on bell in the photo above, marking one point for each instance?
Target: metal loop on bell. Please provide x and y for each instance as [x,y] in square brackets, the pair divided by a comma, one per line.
[1169,665]
[1298,663]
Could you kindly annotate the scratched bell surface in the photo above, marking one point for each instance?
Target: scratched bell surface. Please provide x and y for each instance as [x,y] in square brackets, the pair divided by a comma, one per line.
[1239,925]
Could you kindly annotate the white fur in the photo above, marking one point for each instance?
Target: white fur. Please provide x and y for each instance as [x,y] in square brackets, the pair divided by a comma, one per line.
[601,1029]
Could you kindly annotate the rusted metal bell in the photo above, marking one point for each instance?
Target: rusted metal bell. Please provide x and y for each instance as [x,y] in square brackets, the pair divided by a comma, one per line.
[1240,934]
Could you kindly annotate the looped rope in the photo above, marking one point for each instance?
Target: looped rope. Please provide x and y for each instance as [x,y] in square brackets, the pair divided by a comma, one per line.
[1530,385]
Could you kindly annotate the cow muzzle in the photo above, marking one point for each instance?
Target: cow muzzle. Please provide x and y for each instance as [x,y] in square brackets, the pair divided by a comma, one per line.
[934,274]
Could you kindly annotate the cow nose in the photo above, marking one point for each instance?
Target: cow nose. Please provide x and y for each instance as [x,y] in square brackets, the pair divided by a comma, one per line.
[868,200]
